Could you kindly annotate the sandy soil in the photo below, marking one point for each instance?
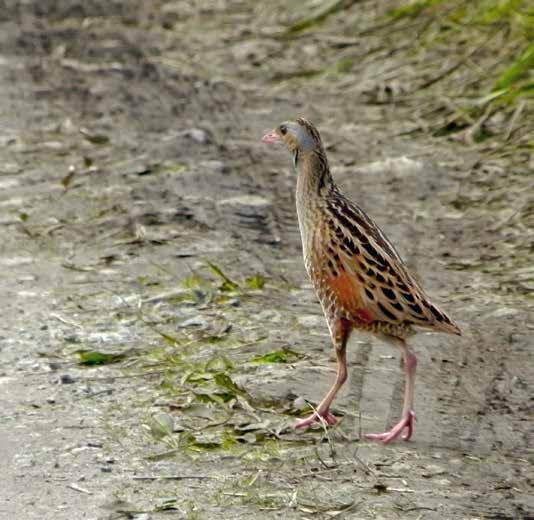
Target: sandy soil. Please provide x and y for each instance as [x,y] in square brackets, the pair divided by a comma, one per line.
[130,162]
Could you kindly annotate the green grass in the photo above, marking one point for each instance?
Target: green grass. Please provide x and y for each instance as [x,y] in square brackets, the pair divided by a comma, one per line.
[466,68]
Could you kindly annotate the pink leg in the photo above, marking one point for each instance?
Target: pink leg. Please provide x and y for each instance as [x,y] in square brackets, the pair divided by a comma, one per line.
[408,415]
[323,414]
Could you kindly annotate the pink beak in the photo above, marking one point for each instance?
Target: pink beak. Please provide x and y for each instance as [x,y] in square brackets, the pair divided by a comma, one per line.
[271,137]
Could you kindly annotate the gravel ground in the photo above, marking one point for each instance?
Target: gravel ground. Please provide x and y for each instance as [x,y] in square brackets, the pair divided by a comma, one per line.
[159,331]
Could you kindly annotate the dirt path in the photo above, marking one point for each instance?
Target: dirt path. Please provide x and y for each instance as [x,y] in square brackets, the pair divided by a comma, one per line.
[108,235]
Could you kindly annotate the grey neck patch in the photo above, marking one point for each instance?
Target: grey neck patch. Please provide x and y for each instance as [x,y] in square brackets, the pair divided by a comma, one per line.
[306,141]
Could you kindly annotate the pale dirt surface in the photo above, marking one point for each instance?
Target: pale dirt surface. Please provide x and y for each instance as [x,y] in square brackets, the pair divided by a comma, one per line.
[169,175]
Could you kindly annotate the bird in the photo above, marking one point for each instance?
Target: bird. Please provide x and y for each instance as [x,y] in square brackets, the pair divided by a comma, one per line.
[360,279]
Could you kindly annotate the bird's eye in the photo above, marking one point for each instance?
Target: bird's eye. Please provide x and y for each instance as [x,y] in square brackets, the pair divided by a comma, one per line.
[283,130]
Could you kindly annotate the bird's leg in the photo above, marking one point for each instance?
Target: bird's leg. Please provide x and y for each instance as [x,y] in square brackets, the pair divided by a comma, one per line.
[322,413]
[408,415]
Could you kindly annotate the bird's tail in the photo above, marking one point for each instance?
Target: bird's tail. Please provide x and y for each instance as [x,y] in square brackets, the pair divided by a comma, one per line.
[447,327]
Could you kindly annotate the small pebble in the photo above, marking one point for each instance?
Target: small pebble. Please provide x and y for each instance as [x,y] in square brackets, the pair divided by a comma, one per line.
[198,135]
[214,166]
[192,322]
[142,516]
[66,379]
[300,404]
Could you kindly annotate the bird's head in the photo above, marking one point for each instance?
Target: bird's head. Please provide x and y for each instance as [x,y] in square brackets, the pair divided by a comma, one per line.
[298,136]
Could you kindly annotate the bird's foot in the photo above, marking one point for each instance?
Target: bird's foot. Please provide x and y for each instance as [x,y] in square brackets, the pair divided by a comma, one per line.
[406,422]
[323,417]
